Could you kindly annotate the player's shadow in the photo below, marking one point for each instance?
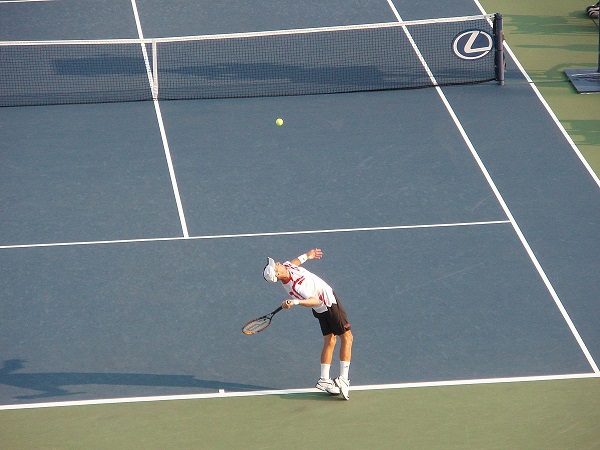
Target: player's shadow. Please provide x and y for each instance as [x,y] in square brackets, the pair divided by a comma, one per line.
[312,396]
[54,384]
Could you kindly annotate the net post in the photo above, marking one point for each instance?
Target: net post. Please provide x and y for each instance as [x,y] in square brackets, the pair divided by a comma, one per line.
[499,45]
[154,71]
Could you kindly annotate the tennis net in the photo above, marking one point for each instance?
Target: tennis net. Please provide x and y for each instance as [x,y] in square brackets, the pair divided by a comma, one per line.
[395,55]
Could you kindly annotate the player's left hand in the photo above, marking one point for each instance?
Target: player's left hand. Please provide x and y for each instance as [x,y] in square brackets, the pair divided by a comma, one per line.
[315,253]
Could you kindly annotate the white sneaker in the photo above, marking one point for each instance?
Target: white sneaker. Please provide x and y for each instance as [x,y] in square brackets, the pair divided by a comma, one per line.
[327,386]
[344,386]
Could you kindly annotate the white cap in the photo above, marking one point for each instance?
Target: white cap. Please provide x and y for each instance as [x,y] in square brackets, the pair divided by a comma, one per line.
[269,272]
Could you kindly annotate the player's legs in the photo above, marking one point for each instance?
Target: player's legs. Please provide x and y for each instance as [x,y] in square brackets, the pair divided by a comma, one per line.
[346,346]
[325,383]
[334,322]
[342,382]
[329,342]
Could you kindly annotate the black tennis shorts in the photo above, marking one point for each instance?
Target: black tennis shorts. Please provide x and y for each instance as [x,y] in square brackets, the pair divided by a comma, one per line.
[334,320]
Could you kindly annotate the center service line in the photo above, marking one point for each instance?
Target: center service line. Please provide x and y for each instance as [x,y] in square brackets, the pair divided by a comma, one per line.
[161,126]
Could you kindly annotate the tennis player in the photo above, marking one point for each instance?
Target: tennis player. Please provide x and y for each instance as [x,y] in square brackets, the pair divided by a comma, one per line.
[310,291]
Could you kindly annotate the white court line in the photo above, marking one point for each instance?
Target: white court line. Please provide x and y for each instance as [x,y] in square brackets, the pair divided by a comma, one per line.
[547,106]
[504,205]
[245,235]
[25,1]
[375,387]
[161,126]
[287,32]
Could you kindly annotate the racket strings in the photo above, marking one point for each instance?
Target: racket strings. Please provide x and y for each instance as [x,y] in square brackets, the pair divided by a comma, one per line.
[256,325]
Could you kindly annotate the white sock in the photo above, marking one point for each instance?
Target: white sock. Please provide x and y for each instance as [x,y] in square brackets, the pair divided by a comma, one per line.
[325,371]
[344,367]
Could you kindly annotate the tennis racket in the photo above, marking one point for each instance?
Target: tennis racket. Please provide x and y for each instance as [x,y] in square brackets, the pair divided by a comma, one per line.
[257,325]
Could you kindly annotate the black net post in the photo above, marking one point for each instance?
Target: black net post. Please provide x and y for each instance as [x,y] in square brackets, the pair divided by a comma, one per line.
[499,45]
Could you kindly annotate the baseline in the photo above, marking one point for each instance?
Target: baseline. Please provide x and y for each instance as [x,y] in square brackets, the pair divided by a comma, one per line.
[113,401]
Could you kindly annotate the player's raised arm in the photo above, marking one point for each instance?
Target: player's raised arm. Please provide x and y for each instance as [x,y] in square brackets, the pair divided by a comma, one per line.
[315,253]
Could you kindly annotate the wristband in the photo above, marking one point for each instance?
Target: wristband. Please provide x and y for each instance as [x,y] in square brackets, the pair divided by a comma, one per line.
[296,302]
[302,258]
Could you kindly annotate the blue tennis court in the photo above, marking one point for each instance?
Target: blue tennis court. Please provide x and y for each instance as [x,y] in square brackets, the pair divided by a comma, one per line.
[459,224]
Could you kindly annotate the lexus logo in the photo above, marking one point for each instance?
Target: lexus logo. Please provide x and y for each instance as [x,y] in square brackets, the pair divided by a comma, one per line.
[472,44]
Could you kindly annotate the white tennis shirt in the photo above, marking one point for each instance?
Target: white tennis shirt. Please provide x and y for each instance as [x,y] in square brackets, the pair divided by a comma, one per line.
[304,284]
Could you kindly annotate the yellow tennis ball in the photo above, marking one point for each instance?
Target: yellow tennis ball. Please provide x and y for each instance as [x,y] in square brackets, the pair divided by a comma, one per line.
[279,122]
